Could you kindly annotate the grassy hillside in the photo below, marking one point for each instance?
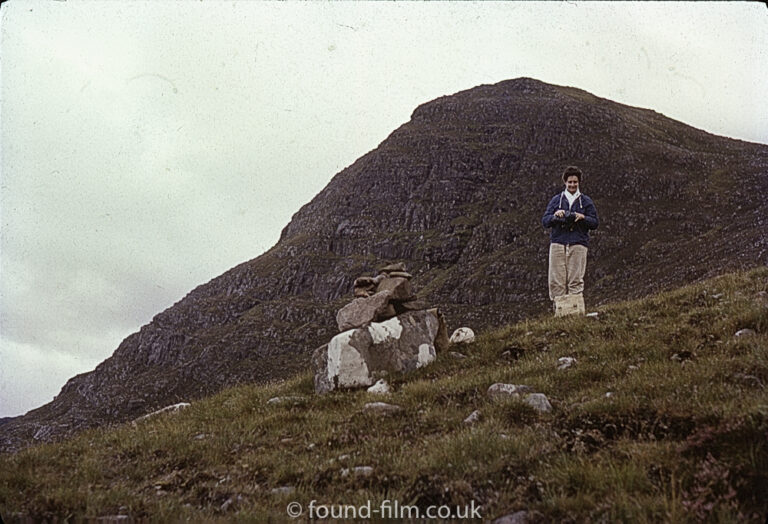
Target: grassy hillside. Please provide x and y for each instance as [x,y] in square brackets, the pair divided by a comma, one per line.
[664,417]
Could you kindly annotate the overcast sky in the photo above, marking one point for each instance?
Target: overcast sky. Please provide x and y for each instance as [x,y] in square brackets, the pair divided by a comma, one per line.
[148,147]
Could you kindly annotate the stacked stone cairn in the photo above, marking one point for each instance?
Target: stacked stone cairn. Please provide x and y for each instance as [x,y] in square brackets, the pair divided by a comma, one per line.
[383,330]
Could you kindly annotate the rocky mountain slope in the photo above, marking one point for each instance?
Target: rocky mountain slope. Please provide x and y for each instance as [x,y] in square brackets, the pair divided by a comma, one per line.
[456,194]
[654,411]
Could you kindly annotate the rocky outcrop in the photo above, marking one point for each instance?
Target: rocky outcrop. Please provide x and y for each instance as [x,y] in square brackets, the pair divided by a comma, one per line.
[457,195]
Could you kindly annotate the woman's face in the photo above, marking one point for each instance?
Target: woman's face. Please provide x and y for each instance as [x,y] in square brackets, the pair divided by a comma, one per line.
[572,183]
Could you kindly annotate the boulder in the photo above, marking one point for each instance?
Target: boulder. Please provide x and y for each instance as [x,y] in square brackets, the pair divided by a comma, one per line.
[393,267]
[385,313]
[365,286]
[361,311]
[411,305]
[352,358]
[399,288]
[364,282]
[463,335]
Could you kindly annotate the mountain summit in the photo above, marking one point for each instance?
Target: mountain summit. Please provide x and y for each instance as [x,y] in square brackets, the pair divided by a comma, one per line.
[457,194]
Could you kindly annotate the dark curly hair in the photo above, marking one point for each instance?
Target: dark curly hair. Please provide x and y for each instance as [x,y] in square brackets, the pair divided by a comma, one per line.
[572,171]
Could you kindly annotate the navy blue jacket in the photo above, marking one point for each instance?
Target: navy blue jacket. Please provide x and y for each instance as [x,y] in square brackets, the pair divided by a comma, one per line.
[564,230]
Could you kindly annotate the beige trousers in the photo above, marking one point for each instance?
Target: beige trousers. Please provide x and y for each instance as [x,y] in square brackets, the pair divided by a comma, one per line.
[566,269]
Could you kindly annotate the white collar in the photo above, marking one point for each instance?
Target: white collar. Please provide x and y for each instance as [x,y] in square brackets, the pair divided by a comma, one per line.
[571,197]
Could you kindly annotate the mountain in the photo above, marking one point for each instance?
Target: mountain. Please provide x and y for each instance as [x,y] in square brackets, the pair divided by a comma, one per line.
[457,194]
[659,416]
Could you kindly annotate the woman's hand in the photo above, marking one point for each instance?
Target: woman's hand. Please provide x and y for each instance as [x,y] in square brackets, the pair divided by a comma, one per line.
[579,216]
[561,213]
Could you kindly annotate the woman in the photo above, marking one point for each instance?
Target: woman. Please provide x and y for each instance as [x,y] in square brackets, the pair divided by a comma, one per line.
[571,215]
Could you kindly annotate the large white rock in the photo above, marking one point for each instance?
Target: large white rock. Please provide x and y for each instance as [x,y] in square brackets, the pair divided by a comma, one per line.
[463,335]
[346,366]
[352,358]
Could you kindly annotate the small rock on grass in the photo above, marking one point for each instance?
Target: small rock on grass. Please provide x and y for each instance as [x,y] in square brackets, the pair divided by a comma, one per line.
[539,402]
[744,333]
[501,391]
[380,387]
[473,417]
[359,471]
[463,335]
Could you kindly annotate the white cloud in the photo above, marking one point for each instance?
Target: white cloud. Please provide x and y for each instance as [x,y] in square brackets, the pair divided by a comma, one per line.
[31,375]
